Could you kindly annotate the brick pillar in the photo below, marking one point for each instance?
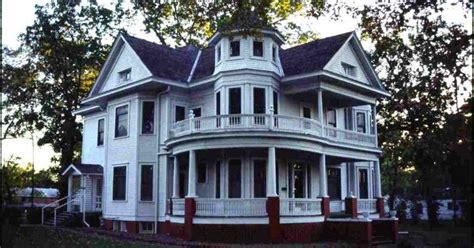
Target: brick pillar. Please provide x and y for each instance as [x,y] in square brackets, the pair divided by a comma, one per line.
[367,232]
[325,207]
[380,207]
[132,226]
[351,206]
[189,211]
[108,224]
[273,210]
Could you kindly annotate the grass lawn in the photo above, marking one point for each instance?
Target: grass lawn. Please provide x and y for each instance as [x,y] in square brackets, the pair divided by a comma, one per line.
[45,236]
[446,234]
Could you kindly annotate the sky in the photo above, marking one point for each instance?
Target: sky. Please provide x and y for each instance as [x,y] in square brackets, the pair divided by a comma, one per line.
[18,14]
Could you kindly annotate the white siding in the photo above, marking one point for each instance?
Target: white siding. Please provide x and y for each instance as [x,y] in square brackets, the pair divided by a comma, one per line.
[91,153]
[347,55]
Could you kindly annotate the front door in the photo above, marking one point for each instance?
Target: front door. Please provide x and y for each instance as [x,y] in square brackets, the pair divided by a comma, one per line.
[334,183]
[98,194]
[76,193]
[363,184]
[235,178]
[299,180]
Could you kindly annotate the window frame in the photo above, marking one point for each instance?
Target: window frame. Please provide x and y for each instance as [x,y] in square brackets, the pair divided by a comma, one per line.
[265,108]
[128,78]
[142,117]
[152,182]
[98,132]
[116,119]
[174,112]
[364,114]
[348,69]
[229,103]
[125,183]
[334,125]
[230,48]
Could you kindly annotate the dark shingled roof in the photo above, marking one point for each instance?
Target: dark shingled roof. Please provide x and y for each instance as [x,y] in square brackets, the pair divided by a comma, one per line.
[176,64]
[311,56]
[163,61]
[205,66]
[89,168]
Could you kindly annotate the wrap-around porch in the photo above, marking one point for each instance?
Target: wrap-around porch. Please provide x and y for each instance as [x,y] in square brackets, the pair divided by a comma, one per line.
[230,183]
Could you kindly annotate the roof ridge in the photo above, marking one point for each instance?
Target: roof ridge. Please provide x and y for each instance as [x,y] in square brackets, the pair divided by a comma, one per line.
[319,40]
[180,49]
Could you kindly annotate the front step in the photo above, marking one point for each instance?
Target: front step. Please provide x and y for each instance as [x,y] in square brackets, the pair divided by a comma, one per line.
[62,219]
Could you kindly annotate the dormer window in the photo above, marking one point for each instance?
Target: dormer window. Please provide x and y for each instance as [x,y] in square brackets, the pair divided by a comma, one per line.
[348,69]
[218,51]
[125,75]
[258,48]
[235,48]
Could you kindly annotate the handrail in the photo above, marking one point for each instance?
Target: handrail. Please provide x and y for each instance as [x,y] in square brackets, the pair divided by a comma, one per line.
[48,205]
[60,206]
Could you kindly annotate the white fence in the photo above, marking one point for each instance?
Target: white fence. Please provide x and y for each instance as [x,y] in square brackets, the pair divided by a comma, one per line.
[231,207]
[300,207]
[177,205]
[366,205]
[260,122]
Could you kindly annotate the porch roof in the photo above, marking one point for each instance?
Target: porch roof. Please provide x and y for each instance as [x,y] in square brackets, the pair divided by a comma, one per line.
[84,169]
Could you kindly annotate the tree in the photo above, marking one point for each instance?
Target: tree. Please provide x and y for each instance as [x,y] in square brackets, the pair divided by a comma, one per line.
[58,61]
[421,58]
[13,177]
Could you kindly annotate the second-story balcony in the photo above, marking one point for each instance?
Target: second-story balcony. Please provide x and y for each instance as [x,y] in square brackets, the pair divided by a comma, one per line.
[270,123]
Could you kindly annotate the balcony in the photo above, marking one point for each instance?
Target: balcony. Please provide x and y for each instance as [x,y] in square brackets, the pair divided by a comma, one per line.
[268,122]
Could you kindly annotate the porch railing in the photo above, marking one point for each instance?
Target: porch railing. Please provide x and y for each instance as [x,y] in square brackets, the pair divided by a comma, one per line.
[300,207]
[366,205]
[260,122]
[249,207]
[177,206]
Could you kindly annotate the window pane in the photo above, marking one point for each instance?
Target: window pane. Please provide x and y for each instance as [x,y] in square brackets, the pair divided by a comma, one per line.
[234,101]
[119,183]
[361,122]
[258,48]
[218,103]
[235,48]
[331,115]
[180,113]
[306,112]
[121,121]
[273,53]
[100,132]
[275,102]
[363,184]
[259,100]
[202,172]
[148,117]
[218,179]
[146,188]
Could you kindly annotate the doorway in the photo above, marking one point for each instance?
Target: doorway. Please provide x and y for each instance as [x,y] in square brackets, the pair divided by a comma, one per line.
[299,180]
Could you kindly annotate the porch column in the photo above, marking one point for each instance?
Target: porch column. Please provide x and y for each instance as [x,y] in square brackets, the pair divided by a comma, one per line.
[271,173]
[374,119]
[192,174]
[176,178]
[378,186]
[320,105]
[323,193]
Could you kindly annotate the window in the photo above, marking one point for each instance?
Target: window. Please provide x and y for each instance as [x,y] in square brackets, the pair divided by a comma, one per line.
[202,173]
[218,51]
[306,112]
[146,227]
[146,183]
[331,116]
[179,113]
[121,121]
[361,122]
[259,101]
[196,112]
[148,117]
[258,48]
[363,184]
[234,101]
[348,69]
[125,75]
[275,102]
[274,53]
[119,183]
[334,183]
[235,178]
[218,103]
[235,48]
[259,178]
[100,132]
[218,179]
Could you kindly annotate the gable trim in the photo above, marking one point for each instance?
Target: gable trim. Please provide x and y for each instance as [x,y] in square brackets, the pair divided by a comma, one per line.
[71,167]
[196,61]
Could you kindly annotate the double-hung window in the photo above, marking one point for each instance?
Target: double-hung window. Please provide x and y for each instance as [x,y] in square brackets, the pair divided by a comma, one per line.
[148,117]
[235,48]
[258,48]
[119,183]
[121,121]
[146,183]
[100,132]
[361,125]
[331,115]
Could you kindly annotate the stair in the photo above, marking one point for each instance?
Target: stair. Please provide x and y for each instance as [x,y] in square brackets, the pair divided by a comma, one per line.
[62,219]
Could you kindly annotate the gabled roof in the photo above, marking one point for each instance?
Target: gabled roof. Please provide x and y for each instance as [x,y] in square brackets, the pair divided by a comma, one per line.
[84,169]
[163,61]
[311,56]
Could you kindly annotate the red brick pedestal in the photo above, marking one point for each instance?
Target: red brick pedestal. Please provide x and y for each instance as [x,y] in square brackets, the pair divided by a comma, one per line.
[189,211]
[273,211]
[380,207]
[325,207]
[351,206]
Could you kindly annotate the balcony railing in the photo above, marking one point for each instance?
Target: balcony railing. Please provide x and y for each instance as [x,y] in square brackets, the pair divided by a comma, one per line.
[261,122]
[177,205]
[366,205]
[247,207]
[300,207]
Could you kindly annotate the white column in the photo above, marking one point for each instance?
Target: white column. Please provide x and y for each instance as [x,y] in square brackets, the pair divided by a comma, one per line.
[320,105]
[192,174]
[374,119]
[323,191]
[271,173]
[378,183]
[176,178]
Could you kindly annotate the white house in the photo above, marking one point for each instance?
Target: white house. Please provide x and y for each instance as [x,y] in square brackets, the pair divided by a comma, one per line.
[242,140]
